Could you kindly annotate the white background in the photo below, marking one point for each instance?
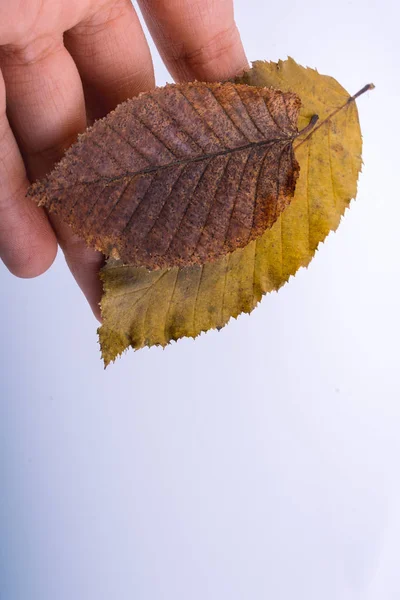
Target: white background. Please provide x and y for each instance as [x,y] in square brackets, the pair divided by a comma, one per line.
[260,462]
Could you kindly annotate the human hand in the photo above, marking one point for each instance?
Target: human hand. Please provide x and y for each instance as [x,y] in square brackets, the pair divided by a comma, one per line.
[64,63]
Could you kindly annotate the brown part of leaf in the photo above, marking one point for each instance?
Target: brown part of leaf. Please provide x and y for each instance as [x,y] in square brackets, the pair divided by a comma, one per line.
[181,175]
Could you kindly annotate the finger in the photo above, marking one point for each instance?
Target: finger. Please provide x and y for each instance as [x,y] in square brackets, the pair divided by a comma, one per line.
[27,242]
[112,56]
[83,262]
[45,102]
[46,109]
[197,39]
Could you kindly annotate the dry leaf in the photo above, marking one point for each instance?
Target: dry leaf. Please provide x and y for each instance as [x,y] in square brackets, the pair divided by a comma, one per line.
[180,175]
[142,308]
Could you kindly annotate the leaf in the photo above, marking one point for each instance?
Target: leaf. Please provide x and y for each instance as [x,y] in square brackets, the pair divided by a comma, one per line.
[141,308]
[180,175]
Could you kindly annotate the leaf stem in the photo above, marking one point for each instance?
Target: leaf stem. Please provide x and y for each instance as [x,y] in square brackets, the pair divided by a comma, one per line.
[366,88]
[311,124]
[369,86]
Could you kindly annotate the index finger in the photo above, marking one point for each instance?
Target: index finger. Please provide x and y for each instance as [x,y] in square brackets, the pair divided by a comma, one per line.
[197,39]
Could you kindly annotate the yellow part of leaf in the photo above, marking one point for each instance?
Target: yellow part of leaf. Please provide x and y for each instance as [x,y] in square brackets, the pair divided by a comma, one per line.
[142,308]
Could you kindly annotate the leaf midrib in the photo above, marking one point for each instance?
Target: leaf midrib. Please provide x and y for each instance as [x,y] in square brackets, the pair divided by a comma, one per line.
[183,161]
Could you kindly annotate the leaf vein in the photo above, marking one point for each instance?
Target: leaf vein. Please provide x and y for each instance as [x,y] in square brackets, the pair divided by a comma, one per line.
[271,115]
[330,164]
[235,199]
[226,114]
[189,201]
[212,204]
[164,202]
[214,133]
[169,306]
[178,124]
[154,134]
[121,195]
[127,141]
[145,196]
[253,121]
[197,296]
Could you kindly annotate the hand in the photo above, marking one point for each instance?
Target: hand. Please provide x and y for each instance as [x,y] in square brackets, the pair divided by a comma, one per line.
[64,63]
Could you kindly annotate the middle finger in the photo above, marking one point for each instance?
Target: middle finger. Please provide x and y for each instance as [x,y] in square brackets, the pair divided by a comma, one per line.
[197,39]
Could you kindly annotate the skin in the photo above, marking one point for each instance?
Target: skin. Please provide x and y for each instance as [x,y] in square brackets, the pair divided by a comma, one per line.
[64,63]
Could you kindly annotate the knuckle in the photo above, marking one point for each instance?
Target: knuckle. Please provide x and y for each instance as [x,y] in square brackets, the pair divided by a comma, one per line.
[102,19]
[211,50]
[18,18]
[32,52]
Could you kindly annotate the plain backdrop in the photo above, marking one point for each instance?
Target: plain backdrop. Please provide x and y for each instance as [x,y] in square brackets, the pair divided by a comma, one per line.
[256,462]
